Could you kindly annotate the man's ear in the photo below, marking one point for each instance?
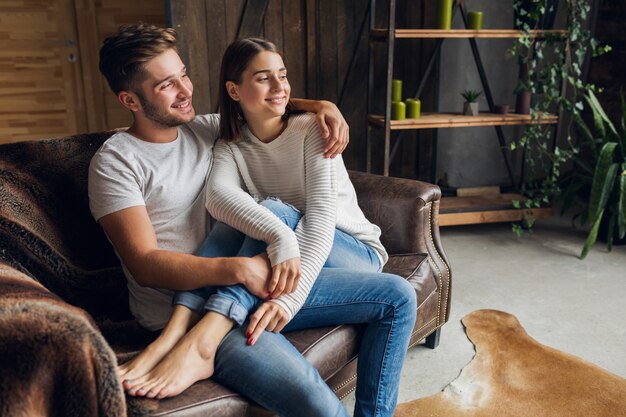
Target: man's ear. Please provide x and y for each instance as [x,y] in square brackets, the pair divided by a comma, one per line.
[129,100]
[233,90]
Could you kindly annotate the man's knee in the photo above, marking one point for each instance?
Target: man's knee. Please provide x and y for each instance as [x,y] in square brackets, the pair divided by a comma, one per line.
[402,292]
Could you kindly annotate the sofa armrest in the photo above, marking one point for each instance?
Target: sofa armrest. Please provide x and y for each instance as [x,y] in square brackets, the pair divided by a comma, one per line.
[407,211]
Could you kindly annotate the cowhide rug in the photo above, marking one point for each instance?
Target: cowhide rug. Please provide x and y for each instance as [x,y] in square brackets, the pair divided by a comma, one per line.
[514,375]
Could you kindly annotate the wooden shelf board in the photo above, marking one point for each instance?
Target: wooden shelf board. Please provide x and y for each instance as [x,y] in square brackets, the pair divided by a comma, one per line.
[497,208]
[465,33]
[448,120]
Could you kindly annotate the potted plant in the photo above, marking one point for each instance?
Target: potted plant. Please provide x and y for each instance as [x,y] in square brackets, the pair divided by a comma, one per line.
[598,181]
[542,82]
[470,107]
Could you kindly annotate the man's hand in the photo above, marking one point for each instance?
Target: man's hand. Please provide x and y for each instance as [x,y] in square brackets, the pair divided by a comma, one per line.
[285,277]
[334,128]
[269,316]
[255,273]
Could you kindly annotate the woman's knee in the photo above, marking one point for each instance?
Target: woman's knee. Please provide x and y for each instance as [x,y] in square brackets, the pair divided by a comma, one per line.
[284,211]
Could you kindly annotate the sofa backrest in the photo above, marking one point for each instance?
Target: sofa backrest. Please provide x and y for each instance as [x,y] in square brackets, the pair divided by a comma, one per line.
[46,228]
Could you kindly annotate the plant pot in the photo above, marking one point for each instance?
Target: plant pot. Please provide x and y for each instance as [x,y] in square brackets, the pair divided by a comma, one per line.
[522,102]
[523,98]
[470,109]
[545,22]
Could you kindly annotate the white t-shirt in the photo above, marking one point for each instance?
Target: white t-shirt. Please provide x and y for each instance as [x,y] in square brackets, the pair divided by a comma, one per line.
[169,180]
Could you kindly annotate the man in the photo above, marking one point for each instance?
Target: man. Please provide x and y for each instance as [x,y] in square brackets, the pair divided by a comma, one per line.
[146,189]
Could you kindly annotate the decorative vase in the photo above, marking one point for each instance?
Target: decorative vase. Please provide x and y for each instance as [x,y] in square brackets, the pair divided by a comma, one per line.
[470,109]
[523,98]
[413,108]
[444,14]
[396,90]
[475,20]
[545,22]
[522,102]
[398,110]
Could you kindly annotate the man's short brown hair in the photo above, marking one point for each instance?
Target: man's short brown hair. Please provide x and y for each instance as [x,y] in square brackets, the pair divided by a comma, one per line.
[123,55]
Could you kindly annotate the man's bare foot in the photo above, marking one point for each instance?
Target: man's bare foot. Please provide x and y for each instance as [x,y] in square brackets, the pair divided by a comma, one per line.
[190,361]
[180,321]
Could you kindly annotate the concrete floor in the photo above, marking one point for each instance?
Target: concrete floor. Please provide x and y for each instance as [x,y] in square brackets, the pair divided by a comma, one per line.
[576,306]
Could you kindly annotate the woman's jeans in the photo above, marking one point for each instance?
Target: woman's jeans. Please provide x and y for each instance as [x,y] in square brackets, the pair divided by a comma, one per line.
[275,375]
[235,301]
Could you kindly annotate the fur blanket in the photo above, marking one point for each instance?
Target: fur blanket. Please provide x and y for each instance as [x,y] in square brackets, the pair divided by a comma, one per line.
[61,286]
[54,360]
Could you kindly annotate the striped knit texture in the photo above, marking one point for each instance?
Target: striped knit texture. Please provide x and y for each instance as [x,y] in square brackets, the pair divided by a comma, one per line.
[291,167]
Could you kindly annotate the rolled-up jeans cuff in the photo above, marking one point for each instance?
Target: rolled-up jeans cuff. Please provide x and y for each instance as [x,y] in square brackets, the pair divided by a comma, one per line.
[190,300]
[227,307]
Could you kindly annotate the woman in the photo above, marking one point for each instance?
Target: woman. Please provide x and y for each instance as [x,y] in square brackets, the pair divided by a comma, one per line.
[267,153]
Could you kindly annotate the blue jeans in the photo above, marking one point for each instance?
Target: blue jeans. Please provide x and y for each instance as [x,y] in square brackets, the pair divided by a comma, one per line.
[272,372]
[235,301]
[275,375]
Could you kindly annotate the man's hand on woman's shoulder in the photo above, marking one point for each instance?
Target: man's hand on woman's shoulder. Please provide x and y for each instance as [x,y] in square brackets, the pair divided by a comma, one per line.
[334,128]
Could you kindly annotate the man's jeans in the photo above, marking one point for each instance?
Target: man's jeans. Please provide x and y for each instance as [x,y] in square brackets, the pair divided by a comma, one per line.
[273,373]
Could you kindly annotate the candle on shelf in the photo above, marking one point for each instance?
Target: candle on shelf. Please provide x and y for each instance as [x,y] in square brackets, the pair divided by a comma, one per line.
[413,108]
[444,14]
[475,20]
[396,90]
[398,110]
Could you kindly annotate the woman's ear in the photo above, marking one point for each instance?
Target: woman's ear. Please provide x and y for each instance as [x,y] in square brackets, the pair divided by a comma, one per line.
[233,90]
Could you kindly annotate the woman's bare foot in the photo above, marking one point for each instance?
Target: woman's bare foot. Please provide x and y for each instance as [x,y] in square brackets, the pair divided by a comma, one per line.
[191,360]
[143,363]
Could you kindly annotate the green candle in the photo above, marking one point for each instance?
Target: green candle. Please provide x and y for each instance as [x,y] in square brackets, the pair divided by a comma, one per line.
[398,110]
[396,90]
[413,108]
[475,20]
[444,14]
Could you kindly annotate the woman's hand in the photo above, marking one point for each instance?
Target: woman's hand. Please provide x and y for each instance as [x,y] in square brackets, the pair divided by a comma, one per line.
[334,128]
[269,316]
[285,278]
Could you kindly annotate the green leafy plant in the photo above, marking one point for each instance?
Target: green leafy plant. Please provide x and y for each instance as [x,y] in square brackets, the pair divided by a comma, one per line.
[471,95]
[552,64]
[598,182]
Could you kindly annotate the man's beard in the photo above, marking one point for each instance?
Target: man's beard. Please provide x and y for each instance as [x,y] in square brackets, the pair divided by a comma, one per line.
[160,117]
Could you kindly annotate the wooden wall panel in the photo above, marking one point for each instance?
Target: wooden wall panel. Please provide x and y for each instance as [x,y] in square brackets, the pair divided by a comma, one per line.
[109,15]
[37,82]
[323,48]
[49,79]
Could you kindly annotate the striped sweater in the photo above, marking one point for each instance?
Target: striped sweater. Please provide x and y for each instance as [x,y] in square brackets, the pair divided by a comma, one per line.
[292,167]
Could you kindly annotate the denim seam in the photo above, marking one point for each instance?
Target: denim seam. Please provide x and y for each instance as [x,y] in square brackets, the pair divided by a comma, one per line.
[384,361]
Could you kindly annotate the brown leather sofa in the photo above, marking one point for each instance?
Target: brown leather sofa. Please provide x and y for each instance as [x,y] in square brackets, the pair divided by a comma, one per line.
[63,306]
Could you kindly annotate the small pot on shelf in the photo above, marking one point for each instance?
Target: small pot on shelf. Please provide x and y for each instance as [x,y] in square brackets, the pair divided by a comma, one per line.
[470,107]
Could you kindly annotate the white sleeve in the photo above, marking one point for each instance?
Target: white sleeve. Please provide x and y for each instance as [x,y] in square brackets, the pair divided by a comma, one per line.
[228,202]
[316,229]
[112,184]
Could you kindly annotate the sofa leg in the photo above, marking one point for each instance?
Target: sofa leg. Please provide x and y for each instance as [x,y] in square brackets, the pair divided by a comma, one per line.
[432,340]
